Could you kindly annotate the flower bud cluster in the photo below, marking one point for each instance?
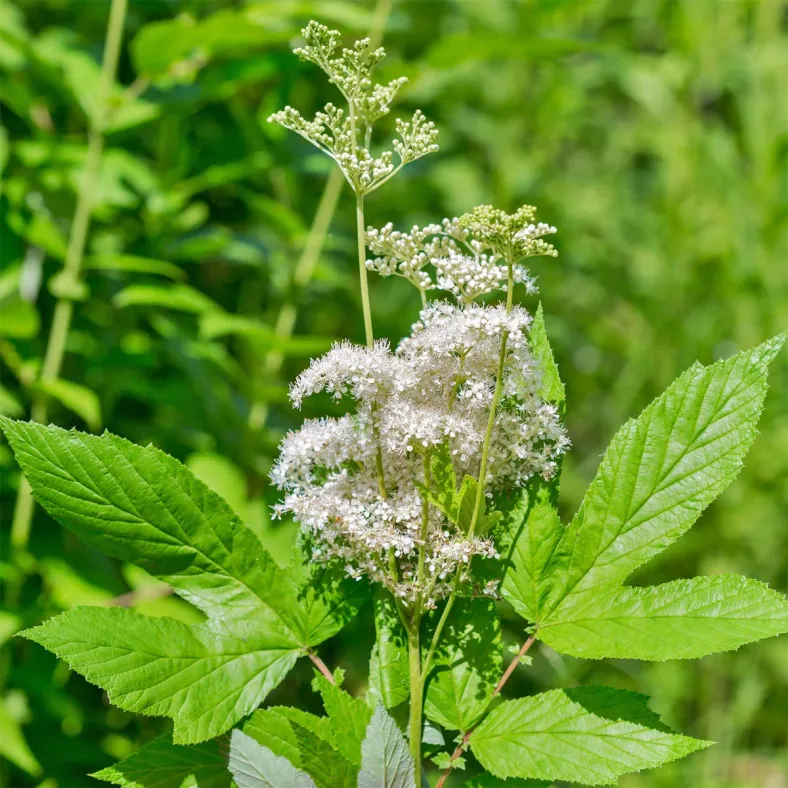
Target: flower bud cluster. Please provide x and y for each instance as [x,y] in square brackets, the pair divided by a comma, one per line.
[345,137]
[434,390]
[467,256]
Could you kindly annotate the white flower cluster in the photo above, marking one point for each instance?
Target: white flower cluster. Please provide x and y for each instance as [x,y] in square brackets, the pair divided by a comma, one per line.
[336,133]
[465,264]
[435,390]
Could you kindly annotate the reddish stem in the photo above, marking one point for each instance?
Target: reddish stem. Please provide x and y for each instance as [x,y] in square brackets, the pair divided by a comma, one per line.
[321,666]
[498,687]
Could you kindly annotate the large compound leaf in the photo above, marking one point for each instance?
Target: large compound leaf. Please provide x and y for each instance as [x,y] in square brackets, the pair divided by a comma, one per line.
[141,505]
[659,473]
[162,764]
[467,665]
[385,759]
[255,766]
[590,735]
[684,619]
[145,507]
[205,680]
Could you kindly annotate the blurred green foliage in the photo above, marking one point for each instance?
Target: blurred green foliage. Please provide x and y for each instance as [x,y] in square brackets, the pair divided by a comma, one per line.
[653,133]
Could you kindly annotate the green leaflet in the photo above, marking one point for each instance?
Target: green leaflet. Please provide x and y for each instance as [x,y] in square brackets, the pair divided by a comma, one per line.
[659,473]
[684,619]
[306,741]
[552,388]
[467,666]
[205,680]
[349,717]
[142,505]
[255,766]
[526,579]
[589,735]
[385,759]
[456,504]
[388,667]
[272,728]
[162,764]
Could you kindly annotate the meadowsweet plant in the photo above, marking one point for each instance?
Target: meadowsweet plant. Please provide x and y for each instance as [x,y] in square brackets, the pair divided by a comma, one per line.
[434,499]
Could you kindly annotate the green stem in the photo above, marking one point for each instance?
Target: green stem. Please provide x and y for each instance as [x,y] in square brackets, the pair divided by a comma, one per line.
[64,308]
[416,694]
[425,524]
[362,269]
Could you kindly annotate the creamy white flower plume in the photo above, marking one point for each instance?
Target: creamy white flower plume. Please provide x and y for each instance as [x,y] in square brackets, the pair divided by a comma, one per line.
[435,390]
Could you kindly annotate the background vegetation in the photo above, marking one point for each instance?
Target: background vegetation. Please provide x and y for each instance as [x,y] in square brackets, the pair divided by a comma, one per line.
[654,134]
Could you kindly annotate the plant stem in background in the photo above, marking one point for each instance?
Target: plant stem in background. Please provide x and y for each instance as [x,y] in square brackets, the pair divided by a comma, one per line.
[286,319]
[64,308]
[498,687]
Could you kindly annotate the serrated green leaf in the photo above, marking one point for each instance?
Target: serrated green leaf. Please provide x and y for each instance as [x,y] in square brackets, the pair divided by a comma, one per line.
[684,619]
[443,481]
[205,680]
[307,741]
[551,388]
[467,665]
[385,759]
[349,717]
[466,501]
[589,735]
[443,761]
[659,473]
[272,729]
[141,505]
[162,764]
[255,766]
[388,670]
[526,580]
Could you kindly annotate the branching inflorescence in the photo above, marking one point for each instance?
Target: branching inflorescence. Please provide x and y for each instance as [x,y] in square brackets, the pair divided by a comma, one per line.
[398,490]
[345,135]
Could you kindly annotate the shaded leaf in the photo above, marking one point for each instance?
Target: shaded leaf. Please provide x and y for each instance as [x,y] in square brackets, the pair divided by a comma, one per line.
[162,764]
[385,759]
[255,766]
[468,663]
[388,672]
